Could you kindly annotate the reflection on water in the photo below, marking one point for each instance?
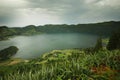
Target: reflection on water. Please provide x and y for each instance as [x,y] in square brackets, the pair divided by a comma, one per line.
[33,46]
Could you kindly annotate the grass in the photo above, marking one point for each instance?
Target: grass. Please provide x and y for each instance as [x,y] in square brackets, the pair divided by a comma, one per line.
[11,61]
[72,64]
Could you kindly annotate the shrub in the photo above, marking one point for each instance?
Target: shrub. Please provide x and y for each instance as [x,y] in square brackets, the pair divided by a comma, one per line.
[8,52]
[114,42]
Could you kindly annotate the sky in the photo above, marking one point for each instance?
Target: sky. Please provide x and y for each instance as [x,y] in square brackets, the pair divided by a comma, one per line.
[20,13]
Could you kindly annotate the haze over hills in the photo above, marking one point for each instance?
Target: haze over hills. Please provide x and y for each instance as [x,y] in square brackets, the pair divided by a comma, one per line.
[100,29]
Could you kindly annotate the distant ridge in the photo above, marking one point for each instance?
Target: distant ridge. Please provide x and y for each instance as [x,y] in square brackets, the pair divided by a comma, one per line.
[101,29]
[66,24]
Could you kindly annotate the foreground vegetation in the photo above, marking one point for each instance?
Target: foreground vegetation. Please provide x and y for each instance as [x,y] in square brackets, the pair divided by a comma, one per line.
[73,64]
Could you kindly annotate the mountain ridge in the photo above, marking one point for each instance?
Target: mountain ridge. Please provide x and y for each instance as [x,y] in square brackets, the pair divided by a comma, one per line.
[100,29]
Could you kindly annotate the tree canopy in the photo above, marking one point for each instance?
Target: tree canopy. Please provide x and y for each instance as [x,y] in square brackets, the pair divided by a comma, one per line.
[8,52]
[114,42]
[98,45]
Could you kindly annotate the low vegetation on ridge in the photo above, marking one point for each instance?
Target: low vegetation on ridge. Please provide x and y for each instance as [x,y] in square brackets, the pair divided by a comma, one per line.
[71,64]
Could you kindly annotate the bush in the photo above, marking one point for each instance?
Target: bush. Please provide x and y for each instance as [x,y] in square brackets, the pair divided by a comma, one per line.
[8,52]
[98,45]
[114,42]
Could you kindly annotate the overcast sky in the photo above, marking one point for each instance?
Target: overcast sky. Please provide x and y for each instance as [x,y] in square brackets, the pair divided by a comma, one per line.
[39,12]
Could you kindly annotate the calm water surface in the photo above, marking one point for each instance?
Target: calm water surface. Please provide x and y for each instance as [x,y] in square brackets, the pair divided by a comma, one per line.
[33,46]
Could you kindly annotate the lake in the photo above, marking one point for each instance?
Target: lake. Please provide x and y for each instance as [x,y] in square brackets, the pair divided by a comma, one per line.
[34,46]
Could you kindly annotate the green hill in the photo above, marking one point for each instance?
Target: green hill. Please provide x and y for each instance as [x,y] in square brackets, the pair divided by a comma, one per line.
[101,29]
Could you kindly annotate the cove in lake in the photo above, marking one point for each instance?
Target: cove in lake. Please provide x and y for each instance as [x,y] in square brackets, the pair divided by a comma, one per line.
[34,46]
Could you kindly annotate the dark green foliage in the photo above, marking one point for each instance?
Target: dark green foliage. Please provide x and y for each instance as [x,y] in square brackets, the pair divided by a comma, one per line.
[3,32]
[114,41]
[8,52]
[103,29]
[98,45]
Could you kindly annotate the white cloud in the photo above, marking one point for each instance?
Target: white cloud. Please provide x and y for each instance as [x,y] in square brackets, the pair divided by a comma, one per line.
[108,3]
[36,16]
[90,1]
[12,3]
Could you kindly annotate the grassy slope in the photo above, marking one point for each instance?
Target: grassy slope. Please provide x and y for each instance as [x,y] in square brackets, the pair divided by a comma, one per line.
[73,64]
[11,61]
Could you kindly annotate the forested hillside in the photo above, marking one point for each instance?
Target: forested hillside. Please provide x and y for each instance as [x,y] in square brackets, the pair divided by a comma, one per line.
[101,29]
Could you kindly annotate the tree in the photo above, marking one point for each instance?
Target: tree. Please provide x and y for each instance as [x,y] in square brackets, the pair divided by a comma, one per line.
[98,45]
[114,41]
[8,52]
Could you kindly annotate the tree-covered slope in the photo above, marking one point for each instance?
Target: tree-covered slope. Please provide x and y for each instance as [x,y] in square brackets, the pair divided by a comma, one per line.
[102,29]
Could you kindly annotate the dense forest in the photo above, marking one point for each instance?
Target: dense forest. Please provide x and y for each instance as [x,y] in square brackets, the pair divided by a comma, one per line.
[101,29]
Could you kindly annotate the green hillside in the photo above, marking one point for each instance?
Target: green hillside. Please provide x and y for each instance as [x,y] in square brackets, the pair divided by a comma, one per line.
[101,29]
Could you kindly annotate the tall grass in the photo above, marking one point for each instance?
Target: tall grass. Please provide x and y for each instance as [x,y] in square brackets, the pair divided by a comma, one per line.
[76,66]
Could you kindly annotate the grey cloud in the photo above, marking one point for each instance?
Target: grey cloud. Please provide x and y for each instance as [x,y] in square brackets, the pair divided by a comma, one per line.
[68,11]
[6,16]
[8,10]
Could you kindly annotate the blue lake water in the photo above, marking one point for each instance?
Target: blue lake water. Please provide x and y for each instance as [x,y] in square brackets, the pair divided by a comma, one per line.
[34,46]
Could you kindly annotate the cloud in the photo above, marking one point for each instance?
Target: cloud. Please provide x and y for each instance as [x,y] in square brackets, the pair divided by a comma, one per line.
[13,4]
[25,12]
[6,16]
[8,10]
[37,16]
[106,10]
[109,3]
[68,10]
